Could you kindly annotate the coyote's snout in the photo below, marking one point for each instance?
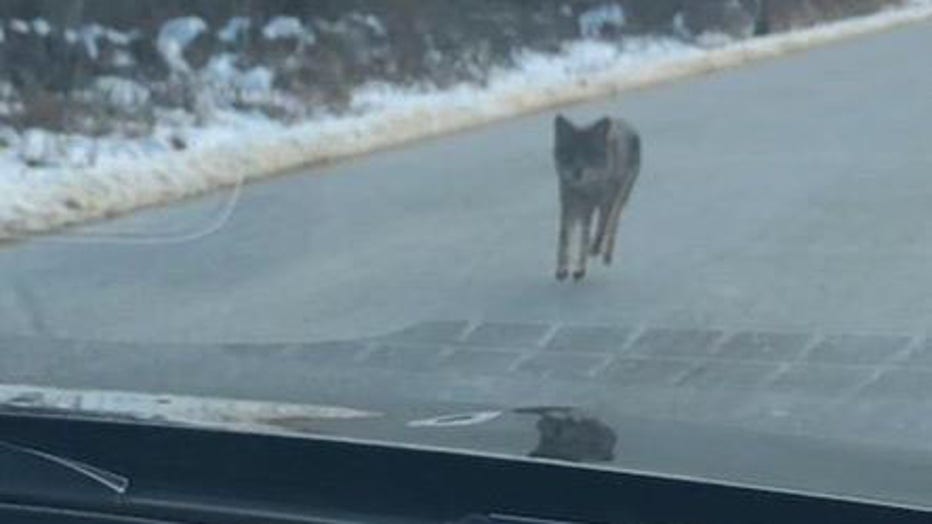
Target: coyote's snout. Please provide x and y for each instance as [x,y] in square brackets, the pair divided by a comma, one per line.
[597,166]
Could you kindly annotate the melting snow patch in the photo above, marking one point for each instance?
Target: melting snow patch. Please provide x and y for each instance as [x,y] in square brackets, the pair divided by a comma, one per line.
[8,136]
[20,26]
[282,27]
[234,28]
[679,27]
[174,36]
[223,73]
[89,35]
[222,68]
[370,21]
[41,27]
[122,93]
[593,22]
[353,23]
[121,38]
[37,147]
[79,151]
[123,58]
[259,79]
[713,39]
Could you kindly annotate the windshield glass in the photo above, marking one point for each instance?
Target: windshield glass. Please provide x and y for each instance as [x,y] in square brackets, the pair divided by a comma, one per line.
[688,238]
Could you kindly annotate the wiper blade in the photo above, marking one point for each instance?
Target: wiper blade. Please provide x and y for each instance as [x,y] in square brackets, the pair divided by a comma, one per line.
[112,481]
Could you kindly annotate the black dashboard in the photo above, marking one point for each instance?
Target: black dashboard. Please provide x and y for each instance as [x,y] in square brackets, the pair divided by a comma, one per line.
[68,471]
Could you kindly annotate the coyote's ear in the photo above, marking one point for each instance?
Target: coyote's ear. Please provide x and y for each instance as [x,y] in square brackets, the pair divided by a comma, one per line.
[564,128]
[601,128]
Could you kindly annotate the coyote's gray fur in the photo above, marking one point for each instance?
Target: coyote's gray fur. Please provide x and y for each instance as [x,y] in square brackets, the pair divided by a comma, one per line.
[597,166]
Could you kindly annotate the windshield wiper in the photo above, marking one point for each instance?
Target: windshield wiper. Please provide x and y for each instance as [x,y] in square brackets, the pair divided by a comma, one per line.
[112,481]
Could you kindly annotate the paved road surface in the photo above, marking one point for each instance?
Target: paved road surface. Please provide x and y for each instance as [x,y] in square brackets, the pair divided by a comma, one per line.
[791,193]
[775,268]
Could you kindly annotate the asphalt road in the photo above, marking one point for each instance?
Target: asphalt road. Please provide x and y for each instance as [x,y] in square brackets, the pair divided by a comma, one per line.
[774,268]
[792,193]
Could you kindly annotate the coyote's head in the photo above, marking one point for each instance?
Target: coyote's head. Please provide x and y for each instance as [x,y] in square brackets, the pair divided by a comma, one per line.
[581,153]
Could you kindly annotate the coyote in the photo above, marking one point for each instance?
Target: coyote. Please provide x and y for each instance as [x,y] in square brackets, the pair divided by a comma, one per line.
[597,166]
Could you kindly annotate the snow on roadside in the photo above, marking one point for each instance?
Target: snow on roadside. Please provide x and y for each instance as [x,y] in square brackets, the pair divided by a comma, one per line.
[282,27]
[237,146]
[234,29]
[595,20]
[221,413]
[174,36]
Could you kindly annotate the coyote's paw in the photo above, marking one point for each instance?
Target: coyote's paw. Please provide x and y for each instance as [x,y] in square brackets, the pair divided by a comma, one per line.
[562,273]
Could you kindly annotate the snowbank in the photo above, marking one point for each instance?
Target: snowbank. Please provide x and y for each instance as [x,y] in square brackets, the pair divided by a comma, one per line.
[229,414]
[238,147]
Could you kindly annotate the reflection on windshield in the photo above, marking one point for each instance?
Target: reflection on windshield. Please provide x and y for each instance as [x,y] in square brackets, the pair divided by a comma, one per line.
[112,481]
[568,435]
